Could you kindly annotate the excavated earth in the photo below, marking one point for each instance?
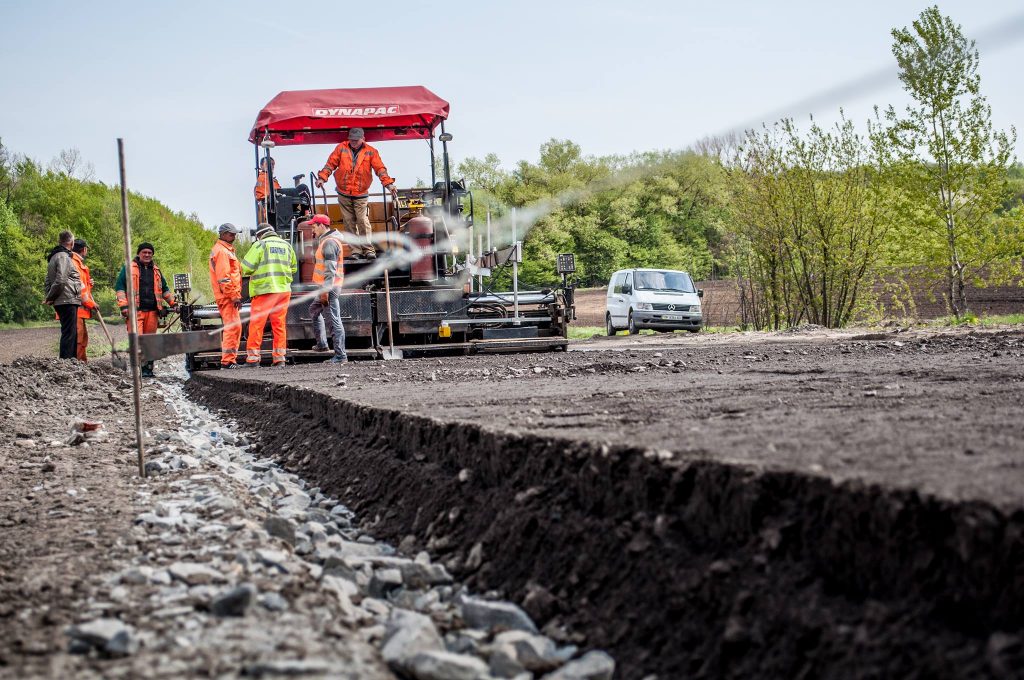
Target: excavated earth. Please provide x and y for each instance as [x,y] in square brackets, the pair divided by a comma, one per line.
[794,505]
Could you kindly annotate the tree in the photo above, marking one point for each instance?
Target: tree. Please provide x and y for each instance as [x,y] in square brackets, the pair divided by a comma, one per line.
[949,159]
[22,272]
[70,162]
[812,217]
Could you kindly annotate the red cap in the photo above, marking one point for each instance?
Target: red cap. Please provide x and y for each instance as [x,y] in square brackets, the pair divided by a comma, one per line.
[317,219]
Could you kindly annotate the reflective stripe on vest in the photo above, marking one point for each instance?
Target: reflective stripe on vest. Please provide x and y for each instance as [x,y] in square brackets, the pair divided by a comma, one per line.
[159,292]
[274,271]
[320,270]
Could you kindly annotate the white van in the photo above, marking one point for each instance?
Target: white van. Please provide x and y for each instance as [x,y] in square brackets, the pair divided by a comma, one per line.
[662,299]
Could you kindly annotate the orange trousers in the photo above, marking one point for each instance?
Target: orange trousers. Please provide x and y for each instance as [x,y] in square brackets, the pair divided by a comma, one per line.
[83,338]
[147,322]
[232,332]
[272,306]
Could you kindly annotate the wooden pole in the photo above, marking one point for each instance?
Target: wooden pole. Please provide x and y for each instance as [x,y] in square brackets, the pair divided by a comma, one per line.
[133,336]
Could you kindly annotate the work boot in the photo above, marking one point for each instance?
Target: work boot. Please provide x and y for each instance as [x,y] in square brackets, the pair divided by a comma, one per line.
[371,255]
[321,348]
[230,367]
[278,364]
[147,370]
[338,359]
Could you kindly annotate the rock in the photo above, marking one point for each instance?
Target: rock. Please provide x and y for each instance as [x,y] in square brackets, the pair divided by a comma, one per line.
[110,636]
[155,467]
[235,602]
[476,557]
[384,581]
[439,665]
[487,615]
[516,651]
[419,575]
[594,665]
[408,634]
[281,528]
[195,573]
[288,667]
[273,558]
[273,602]
[137,576]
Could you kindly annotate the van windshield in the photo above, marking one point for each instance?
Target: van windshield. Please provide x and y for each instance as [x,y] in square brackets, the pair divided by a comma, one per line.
[677,282]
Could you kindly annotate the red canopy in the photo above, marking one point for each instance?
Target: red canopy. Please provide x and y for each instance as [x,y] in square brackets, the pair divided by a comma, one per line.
[325,116]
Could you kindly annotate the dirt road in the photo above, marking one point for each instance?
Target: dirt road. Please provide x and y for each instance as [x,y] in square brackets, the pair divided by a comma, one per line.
[791,505]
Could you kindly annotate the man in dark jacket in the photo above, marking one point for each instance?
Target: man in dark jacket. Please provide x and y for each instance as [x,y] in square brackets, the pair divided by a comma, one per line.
[152,296]
[64,291]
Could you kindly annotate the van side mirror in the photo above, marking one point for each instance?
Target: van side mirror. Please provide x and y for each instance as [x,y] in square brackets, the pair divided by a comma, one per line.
[700,292]
[627,289]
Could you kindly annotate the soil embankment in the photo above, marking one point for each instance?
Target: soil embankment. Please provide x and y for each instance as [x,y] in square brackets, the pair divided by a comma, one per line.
[782,508]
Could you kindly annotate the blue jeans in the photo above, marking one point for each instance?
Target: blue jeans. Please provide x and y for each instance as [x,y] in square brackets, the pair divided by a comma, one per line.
[331,311]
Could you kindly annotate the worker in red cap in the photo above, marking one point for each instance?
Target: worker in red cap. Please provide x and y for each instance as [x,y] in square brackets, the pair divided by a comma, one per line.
[352,163]
[226,282]
[328,275]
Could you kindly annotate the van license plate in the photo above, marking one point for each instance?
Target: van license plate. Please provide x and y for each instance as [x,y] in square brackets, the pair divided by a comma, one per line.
[672,317]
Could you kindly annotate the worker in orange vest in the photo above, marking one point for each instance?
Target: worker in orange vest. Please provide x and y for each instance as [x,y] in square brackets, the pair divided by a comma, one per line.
[328,275]
[226,282]
[352,162]
[78,254]
[150,290]
[260,191]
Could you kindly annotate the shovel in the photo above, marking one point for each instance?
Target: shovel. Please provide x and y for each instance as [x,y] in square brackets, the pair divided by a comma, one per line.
[390,353]
[115,358]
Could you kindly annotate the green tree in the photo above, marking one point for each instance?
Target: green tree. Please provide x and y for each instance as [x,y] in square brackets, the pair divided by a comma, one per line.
[22,272]
[812,219]
[651,209]
[950,161]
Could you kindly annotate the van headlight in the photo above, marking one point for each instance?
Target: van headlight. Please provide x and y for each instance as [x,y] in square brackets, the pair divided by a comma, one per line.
[695,309]
[646,306]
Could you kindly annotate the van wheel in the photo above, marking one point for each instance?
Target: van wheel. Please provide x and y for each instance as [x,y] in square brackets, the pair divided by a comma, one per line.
[608,327]
[633,330]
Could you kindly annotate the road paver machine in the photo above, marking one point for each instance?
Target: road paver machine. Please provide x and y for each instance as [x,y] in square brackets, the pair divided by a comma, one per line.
[440,264]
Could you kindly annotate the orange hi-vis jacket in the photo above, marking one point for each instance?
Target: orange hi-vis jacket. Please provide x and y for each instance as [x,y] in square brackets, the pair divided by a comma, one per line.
[352,170]
[320,268]
[159,287]
[88,302]
[225,273]
[260,190]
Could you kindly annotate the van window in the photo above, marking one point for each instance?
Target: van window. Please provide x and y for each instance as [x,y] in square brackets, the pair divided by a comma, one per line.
[665,280]
[629,282]
[618,281]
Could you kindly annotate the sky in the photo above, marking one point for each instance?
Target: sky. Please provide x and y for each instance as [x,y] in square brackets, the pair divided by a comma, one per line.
[182,81]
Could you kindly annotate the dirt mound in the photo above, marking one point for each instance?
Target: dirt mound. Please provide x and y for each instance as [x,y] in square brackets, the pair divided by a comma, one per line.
[50,524]
[677,566]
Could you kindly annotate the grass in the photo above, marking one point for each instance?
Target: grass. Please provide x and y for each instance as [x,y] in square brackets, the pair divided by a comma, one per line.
[972,319]
[46,323]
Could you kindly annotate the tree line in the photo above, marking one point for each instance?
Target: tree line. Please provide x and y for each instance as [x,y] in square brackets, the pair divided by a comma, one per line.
[807,220]
[37,203]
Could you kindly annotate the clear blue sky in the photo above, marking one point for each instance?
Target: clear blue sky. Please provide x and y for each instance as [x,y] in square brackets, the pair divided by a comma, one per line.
[182,81]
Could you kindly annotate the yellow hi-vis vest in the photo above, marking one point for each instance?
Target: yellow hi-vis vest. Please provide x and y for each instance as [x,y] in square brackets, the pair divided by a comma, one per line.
[270,265]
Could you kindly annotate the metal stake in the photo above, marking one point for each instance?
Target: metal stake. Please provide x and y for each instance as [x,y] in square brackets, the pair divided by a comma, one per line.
[133,328]
[479,252]
[470,258]
[515,272]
